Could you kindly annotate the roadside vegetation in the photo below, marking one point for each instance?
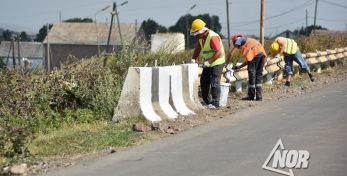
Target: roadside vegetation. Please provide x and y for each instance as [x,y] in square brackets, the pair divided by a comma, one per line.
[69,110]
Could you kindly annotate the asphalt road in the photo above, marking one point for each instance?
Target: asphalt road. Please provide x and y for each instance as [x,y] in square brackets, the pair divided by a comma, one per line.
[239,144]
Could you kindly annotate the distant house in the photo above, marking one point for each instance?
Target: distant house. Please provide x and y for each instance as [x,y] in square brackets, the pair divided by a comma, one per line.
[170,42]
[287,34]
[84,40]
[329,32]
[30,50]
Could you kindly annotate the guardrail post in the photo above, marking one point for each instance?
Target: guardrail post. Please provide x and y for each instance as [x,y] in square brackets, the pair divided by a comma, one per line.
[280,75]
[319,68]
[238,85]
[269,78]
[296,71]
[328,64]
[341,61]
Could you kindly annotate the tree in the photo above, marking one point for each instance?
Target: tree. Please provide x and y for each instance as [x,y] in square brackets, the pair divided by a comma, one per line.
[24,37]
[42,33]
[79,20]
[302,30]
[212,22]
[151,27]
[7,34]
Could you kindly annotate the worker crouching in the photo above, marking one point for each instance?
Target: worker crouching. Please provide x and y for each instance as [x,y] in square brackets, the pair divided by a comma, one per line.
[291,52]
[255,58]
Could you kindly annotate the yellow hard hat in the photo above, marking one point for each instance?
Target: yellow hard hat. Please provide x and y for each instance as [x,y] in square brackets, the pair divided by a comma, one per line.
[275,47]
[197,25]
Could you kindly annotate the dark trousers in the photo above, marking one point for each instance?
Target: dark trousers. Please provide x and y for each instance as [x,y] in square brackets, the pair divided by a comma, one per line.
[210,79]
[255,77]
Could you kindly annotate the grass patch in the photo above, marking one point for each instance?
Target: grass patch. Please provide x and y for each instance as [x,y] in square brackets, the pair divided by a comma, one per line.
[85,138]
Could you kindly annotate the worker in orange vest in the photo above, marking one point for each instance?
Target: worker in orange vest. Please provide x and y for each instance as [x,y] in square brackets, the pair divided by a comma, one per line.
[255,59]
[210,46]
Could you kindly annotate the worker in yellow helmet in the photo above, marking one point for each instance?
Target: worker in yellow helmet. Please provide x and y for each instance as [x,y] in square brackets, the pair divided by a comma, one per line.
[291,52]
[210,47]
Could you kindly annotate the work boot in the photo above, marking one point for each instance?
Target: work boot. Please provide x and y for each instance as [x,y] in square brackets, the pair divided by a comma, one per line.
[258,94]
[287,84]
[312,78]
[247,98]
[251,93]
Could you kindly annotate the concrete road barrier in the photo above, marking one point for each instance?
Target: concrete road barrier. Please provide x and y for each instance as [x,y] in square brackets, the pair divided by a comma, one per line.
[159,93]
[166,92]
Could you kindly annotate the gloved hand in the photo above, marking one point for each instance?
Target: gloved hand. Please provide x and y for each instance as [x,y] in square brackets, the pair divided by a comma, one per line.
[278,56]
[206,64]
[192,61]
[235,67]
[229,67]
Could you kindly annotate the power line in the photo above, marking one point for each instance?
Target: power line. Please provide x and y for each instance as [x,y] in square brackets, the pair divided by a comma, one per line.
[307,3]
[331,20]
[334,4]
[246,23]
[272,27]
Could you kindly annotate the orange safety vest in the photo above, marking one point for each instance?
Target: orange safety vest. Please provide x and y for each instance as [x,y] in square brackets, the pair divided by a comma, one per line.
[252,48]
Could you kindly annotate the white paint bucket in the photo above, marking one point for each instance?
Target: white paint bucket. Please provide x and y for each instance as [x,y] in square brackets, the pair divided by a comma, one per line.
[224,92]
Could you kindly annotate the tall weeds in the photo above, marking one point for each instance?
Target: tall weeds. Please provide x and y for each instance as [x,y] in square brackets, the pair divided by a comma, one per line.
[84,91]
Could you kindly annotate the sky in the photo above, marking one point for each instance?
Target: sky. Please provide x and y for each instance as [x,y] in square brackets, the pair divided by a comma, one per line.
[31,15]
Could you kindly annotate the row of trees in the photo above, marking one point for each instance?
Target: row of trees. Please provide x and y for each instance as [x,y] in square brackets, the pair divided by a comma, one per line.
[151,27]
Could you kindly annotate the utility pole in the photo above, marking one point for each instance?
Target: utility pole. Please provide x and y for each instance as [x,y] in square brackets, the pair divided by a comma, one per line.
[109,33]
[262,14]
[228,23]
[60,16]
[120,34]
[306,30]
[48,58]
[315,17]
[187,31]
[136,27]
[18,49]
[114,12]
[13,53]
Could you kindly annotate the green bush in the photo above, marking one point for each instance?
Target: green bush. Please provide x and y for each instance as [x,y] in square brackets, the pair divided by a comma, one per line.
[84,91]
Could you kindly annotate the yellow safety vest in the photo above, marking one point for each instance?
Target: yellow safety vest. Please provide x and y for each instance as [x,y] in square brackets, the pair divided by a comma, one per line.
[208,52]
[291,45]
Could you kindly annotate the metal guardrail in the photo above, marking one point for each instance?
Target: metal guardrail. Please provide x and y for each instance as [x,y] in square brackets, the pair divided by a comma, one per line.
[276,65]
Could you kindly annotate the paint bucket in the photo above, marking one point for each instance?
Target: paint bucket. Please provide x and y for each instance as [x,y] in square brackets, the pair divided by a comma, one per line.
[224,92]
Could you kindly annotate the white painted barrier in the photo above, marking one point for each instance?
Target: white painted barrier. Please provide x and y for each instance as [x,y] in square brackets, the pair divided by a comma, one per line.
[146,95]
[177,92]
[159,93]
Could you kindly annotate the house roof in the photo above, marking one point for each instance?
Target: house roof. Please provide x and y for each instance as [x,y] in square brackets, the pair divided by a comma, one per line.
[286,33]
[90,33]
[27,49]
[330,32]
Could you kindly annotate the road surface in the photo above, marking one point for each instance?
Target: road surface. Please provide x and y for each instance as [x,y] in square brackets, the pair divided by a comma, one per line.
[239,144]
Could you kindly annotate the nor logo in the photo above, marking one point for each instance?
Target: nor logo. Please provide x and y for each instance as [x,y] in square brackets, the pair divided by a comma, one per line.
[282,159]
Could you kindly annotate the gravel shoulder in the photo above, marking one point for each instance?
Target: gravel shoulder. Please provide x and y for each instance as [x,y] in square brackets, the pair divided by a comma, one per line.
[272,93]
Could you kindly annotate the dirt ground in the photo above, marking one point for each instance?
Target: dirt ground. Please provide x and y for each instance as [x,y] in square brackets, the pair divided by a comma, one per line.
[300,85]
[276,91]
